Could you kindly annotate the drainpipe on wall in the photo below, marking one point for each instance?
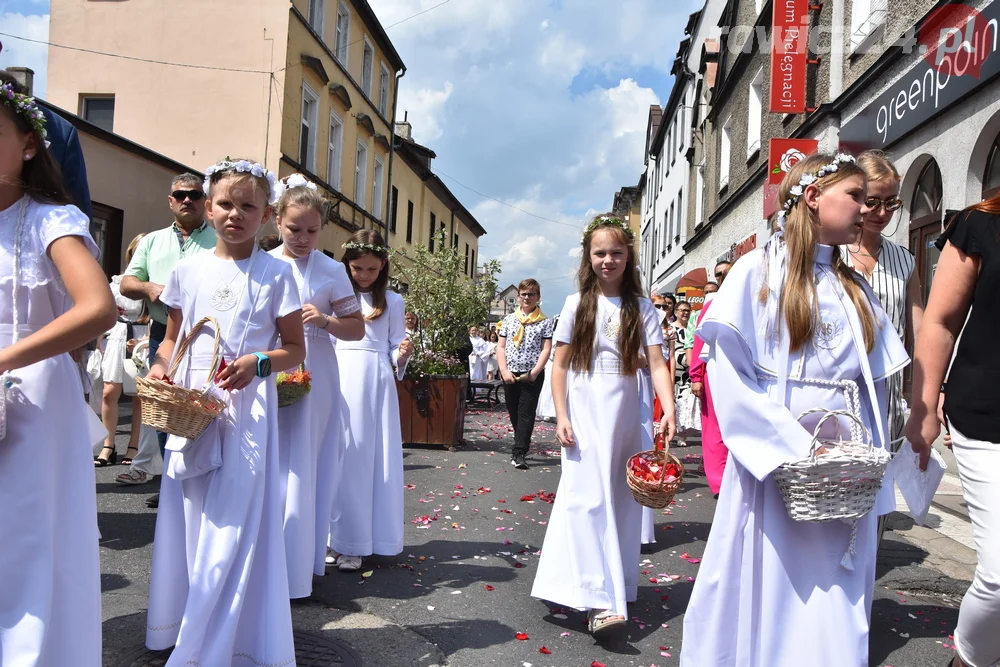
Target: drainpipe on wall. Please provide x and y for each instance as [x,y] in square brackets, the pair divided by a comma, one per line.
[837,52]
[392,153]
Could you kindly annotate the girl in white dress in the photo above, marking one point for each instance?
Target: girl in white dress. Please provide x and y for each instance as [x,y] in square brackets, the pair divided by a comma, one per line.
[479,356]
[113,371]
[368,510]
[792,329]
[311,432]
[218,589]
[50,591]
[590,557]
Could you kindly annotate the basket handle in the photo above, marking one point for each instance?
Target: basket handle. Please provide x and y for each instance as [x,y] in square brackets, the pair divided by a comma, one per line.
[140,347]
[660,444]
[833,414]
[186,343]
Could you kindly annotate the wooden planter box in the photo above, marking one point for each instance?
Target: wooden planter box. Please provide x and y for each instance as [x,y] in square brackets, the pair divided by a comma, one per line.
[432,409]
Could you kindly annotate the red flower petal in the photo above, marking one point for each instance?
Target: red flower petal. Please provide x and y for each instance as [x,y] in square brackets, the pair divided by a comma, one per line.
[521,636]
[544,650]
[597,664]
[489,588]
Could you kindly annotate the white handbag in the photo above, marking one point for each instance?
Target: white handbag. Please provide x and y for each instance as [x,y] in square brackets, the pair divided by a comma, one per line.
[688,413]
[136,366]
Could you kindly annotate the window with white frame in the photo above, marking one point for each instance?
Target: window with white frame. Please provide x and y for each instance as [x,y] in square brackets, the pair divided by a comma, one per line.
[699,193]
[308,126]
[866,17]
[316,10]
[665,235]
[754,114]
[678,224]
[343,33]
[335,149]
[367,63]
[725,149]
[377,182]
[360,174]
[681,131]
[670,229]
[383,90]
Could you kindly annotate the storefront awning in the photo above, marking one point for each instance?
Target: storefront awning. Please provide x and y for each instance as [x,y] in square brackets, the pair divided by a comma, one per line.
[694,278]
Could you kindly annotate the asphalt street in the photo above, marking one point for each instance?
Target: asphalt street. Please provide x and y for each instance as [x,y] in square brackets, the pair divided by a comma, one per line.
[459,594]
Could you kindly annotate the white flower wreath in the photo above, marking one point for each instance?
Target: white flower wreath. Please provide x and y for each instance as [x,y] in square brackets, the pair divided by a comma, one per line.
[605,221]
[293,181]
[243,167]
[808,179]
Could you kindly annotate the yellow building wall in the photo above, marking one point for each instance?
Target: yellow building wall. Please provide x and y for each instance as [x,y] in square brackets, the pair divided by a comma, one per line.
[303,41]
[195,115]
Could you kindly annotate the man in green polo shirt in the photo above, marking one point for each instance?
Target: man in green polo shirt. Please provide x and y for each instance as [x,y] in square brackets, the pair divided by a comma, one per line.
[158,253]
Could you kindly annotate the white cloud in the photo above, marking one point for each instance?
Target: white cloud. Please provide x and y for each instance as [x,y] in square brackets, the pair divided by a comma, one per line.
[528,254]
[426,109]
[19,53]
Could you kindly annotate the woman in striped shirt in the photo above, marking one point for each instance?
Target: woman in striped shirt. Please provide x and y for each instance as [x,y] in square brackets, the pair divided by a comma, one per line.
[888,267]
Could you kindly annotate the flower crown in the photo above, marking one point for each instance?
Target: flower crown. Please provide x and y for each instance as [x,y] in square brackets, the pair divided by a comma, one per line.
[366,247]
[26,106]
[606,221]
[243,167]
[293,181]
[808,179]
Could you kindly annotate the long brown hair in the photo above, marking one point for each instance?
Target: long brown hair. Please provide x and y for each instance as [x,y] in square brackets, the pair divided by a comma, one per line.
[374,245]
[798,303]
[581,347]
[41,176]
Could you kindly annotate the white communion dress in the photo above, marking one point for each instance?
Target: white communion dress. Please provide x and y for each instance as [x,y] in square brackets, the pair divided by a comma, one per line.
[50,591]
[218,589]
[590,556]
[772,591]
[368,510]
[113,361]
[311,431]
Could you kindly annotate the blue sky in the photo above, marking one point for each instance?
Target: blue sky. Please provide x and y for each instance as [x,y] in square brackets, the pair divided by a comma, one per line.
[540,104]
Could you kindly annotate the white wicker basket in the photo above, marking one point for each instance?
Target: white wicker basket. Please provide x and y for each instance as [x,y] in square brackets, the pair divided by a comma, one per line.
[839,480]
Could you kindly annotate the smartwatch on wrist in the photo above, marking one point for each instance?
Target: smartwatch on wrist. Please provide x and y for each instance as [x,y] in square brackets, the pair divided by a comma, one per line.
[263,364]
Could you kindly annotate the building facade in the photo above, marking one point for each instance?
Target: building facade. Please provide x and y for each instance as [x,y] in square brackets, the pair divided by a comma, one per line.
[869,85]
[423,207]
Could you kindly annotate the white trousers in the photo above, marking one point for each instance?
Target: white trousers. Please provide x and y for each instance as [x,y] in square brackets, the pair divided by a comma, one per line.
[976,637]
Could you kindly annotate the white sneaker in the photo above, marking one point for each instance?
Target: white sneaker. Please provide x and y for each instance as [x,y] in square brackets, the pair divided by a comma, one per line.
[331,556]
[349,563]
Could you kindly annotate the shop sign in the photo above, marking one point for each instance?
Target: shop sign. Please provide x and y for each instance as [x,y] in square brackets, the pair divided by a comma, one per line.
[789,38]
[743,247]
[783,154]
[964,61]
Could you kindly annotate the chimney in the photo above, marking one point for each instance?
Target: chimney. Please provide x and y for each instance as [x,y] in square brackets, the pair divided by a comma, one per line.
[404,129]
[25,76]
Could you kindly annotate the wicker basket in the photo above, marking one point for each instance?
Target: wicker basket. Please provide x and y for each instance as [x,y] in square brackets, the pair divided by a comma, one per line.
[174,409]
[655,495]
[839,483]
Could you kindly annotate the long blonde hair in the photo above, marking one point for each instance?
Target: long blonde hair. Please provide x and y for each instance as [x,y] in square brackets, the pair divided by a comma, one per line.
[581,346]
[798,304]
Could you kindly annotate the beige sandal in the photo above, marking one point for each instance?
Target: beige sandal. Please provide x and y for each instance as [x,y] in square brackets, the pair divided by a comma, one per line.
[600,621]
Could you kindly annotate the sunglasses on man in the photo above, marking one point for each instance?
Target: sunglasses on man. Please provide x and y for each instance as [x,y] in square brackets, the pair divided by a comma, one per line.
[891,204]
[662,306]
[528,295]
[181,195]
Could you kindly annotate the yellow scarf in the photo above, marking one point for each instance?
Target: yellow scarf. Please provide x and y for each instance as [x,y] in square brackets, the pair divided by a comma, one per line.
[533,317]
